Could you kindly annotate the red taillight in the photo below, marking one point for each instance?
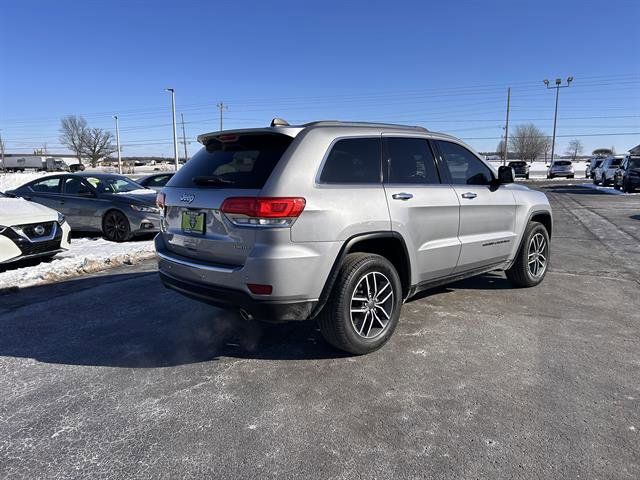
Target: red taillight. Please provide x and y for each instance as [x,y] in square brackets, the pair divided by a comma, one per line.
[264,207]
[258,289]
[160,200]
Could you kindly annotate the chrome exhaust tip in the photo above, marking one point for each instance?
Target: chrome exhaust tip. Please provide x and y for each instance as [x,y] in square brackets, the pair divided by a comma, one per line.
[245,315]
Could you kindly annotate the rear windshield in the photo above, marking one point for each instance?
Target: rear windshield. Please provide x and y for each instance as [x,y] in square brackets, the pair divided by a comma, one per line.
[616,162]
[562,163]
[517,164]
[240,161]
[598,163]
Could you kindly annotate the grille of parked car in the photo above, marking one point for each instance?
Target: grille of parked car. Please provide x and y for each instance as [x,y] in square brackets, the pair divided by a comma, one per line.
[37,230]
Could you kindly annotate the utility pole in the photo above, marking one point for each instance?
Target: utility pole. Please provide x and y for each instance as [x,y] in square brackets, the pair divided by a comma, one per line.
[221,106]
[118,144]
[506,129]
[557,86]
[2,151]
[175,134]
[184,139]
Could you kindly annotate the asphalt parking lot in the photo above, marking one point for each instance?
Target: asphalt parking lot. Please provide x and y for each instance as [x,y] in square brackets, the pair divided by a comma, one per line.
[114,377]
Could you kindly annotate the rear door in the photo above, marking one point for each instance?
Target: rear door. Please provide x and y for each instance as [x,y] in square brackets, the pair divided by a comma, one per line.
[230,165]
[79,203]
[424,210]
[487,212]
[45,192]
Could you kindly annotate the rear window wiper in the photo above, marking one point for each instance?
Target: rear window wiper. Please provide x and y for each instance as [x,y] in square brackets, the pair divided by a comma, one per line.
[211,180]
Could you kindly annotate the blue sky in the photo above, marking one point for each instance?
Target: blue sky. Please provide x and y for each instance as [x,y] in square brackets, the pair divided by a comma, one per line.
[443,65]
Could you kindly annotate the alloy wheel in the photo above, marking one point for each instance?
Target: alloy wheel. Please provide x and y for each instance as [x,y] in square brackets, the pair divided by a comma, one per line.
[371,306]
[537,255]
[116,227]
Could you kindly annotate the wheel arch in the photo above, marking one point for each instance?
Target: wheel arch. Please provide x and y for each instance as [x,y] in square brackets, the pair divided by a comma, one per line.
[387,244]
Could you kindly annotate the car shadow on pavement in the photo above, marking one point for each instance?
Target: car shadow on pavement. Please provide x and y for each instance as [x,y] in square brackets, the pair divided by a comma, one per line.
[635,217]
[132,321]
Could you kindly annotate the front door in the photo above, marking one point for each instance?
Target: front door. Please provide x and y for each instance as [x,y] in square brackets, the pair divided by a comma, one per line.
[487,211]
[422,209]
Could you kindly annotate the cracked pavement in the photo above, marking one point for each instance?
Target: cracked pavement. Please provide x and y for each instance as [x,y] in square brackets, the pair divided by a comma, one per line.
[112,376]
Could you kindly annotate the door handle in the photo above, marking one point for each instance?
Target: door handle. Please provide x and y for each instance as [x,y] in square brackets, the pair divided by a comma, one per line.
[401,196]
[469,195]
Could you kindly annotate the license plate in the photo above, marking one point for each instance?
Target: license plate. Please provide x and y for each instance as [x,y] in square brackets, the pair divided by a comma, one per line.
[193,222]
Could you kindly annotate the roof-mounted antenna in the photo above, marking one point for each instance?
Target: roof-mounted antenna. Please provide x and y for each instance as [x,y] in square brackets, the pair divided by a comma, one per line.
[279,122]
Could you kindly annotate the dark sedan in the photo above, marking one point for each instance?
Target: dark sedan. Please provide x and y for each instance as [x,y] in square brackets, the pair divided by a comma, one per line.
[92,202]
[155,181]
[627,176]
[520,168]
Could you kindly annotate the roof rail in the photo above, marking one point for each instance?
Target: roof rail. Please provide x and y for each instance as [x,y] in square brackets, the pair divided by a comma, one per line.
[337,123]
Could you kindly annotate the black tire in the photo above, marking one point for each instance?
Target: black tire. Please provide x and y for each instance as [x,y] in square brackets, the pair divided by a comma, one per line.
[625,186]
[116,227]
[616,186]
[570,176]
[595,180]
[527,176]
[603,181]
[519,274]
[335,320]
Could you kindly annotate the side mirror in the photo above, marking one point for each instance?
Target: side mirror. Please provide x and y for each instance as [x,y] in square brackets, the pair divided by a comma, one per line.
[505,174]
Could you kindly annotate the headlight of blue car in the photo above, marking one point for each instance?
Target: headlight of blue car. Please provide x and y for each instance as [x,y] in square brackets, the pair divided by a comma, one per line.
[144,208]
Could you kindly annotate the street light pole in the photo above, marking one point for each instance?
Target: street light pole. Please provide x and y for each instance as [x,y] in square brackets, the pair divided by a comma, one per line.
[118,144]
[557,86]
[506,129]
[175,133]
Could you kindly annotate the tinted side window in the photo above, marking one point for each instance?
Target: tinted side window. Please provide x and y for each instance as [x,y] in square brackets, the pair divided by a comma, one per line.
[75,186]
[159,181]
[409,160]
[48,185]
[353,160]
[464,167]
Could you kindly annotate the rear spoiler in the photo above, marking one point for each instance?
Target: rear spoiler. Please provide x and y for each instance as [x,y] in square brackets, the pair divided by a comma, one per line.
[289,131]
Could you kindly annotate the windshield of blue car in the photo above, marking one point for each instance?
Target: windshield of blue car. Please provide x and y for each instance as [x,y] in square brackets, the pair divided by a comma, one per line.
[114,184]
[615,162]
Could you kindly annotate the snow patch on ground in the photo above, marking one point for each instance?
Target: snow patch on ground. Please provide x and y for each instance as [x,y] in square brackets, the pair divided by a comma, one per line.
[539,169]
[609,190]
[86,255]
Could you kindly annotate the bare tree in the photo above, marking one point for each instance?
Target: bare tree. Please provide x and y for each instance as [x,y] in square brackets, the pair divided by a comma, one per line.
[72,133]
[96,144]
[528,142]
[574,149]
[500,149]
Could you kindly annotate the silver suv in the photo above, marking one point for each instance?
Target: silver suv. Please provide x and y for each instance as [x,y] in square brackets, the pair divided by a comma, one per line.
[342,222]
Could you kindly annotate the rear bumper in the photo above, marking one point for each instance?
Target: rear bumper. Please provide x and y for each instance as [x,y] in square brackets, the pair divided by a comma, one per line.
[231,299]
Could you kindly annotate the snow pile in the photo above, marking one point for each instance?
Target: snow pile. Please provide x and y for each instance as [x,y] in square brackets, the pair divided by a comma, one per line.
[9,181]
[86,255]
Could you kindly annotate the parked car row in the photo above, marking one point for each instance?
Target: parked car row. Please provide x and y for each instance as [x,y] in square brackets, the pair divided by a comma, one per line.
[627,176]
[621,172]
[36,218]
